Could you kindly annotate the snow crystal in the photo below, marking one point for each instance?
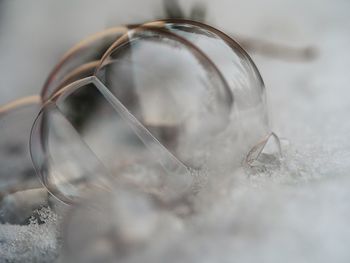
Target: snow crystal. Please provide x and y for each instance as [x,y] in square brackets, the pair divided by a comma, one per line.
[33,242]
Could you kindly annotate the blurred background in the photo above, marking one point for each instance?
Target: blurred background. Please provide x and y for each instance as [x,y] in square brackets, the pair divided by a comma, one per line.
[34,35]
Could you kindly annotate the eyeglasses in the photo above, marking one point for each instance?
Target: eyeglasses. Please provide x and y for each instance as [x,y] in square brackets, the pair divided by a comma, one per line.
[156,104]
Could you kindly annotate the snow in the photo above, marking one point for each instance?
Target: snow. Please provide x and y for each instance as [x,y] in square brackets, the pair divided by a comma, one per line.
[30,243]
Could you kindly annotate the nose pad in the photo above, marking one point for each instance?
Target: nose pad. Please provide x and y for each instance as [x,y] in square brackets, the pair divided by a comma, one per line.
[75,154]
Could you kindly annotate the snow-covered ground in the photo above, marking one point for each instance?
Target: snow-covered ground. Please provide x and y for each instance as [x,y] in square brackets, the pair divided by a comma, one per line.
[296,213]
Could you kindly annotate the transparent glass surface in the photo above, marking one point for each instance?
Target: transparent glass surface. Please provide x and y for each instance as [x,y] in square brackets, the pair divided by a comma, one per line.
[182,98]
[74,156]
[167,101]
[249,119]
